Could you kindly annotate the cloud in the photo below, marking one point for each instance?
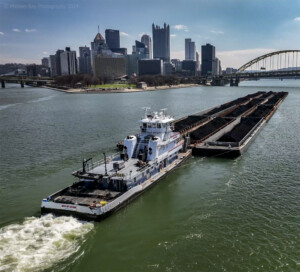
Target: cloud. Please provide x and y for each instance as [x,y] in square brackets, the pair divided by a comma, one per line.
[217,31]
[181,27]
[16,30]
[297,19]
[10,59]
[45,53]
[1,33]
[237,58]
[173,35]
[178,54]
[124,34]
[30,30]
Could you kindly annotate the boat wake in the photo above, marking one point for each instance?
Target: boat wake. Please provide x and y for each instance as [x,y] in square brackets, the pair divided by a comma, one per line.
[46,98]
[39,243]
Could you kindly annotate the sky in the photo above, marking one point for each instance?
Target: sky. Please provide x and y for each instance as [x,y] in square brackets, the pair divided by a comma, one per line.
[239,29]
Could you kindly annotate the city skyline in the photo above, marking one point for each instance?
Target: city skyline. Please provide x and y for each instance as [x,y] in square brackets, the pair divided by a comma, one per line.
[241,31]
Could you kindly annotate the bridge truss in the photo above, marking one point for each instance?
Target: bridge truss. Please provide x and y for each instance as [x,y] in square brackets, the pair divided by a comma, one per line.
[275,61]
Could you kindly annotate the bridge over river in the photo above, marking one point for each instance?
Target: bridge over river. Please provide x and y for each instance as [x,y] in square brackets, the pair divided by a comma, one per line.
[22,80]
[278,64]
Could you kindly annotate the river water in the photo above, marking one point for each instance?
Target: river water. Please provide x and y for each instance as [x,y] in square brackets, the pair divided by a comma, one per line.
[210,214]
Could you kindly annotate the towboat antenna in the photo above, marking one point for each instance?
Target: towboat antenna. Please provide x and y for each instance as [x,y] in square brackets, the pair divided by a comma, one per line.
[105,164]
[164,112]
[146,109]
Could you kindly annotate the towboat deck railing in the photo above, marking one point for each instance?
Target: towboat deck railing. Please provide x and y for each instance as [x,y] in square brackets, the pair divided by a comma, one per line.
[92,165]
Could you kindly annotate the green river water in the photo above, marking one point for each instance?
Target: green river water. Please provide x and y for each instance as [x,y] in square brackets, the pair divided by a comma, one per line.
[210,214]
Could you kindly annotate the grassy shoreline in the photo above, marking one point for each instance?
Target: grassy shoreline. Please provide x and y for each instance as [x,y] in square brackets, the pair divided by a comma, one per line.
[118,90]
[113,86]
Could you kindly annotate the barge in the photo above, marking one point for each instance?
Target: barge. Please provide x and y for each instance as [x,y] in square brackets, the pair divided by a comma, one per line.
[232,139]
[106,186]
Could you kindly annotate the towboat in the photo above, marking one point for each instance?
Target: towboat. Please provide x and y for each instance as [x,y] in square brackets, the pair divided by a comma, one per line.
[107,185]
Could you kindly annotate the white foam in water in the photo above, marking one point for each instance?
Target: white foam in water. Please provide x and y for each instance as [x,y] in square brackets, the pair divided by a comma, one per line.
[42,99]
[39,243]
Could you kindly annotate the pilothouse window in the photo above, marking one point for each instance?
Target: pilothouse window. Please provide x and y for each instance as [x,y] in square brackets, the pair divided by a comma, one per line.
[154,125]
[144,125]
[149,125]
[158,125]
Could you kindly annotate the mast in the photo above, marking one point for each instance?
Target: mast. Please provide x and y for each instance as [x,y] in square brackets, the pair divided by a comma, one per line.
[105,164]
[146,109]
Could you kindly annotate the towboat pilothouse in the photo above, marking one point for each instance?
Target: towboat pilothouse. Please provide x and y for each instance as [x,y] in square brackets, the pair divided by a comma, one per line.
[107,185]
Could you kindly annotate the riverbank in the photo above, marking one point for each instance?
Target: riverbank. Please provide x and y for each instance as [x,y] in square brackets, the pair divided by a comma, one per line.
[118,90]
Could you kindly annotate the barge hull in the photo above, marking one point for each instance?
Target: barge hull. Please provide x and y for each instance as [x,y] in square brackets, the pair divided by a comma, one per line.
[99,217]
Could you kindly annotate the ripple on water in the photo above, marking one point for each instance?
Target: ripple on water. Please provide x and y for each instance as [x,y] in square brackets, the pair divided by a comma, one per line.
[38,243]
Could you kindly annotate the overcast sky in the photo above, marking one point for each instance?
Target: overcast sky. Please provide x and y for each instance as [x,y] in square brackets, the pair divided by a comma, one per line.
[240,29]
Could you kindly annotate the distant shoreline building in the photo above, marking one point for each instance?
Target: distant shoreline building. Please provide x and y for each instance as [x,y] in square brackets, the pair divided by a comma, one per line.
[109,66]
[161,42]
[190,50]
[197,62]
[84,60]
[45,62]
[208,60]
[112,38]
[55,67]
[68,62]
[142,50]
[99,47]
[189,67]
[150,67]
[147,41]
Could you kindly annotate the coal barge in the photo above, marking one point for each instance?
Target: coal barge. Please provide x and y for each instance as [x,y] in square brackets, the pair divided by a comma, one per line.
[229,134]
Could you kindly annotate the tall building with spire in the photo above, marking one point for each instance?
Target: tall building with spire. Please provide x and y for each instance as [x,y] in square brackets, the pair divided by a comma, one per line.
[147,41]
[99,47]
[161,42]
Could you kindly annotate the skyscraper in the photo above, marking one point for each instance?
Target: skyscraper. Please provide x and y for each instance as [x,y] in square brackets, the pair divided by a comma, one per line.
[85,65]
[112,38]
[150,67]
[208,60]
[218,67]
[146,40]
[190,50]
[99,47]
[110,67]
[45,62]
[55,67]
[68,62]
[161,42]
[197,61]
[142,50]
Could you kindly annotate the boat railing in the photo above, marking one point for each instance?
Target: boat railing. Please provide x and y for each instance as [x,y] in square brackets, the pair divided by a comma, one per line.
[92,165]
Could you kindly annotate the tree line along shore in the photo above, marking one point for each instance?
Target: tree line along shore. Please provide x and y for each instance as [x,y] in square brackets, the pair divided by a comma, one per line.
[83,83]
